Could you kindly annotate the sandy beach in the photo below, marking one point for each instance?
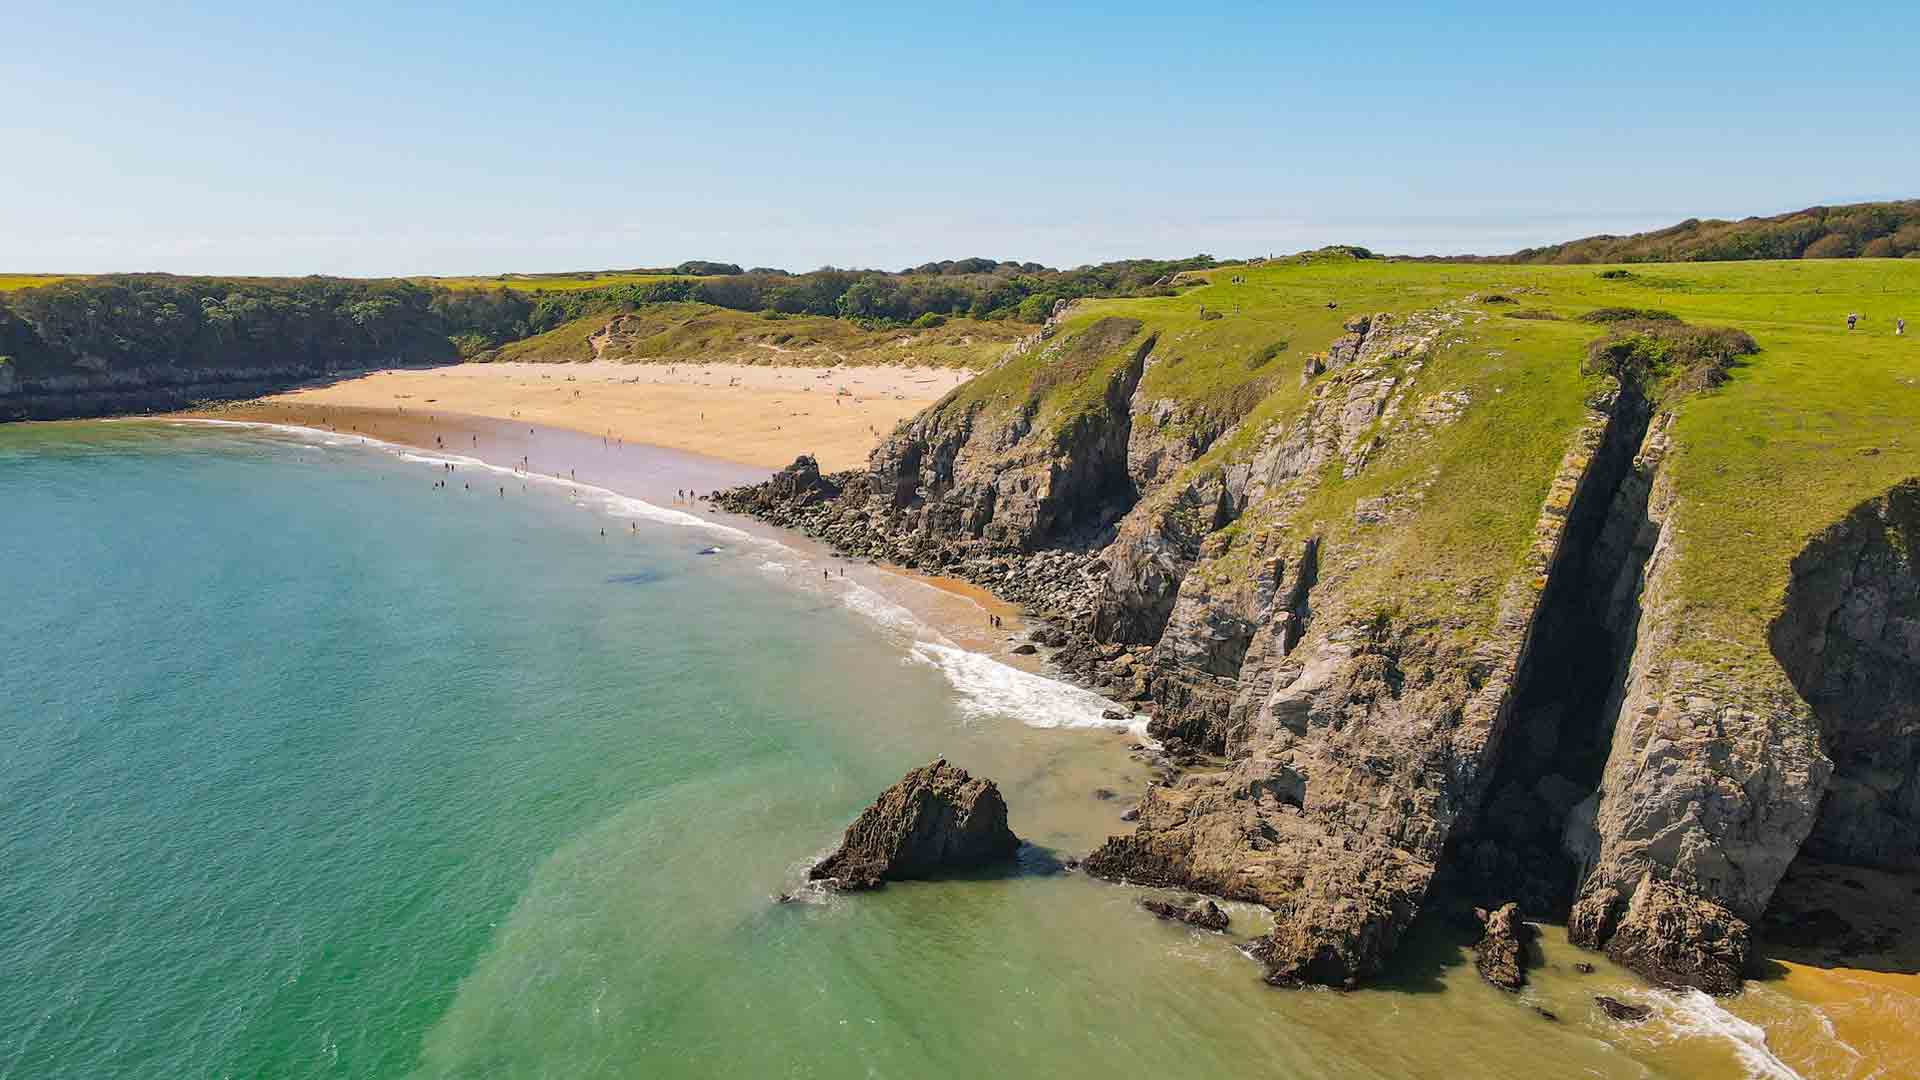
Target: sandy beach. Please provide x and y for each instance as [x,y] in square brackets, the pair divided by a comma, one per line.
[750,415]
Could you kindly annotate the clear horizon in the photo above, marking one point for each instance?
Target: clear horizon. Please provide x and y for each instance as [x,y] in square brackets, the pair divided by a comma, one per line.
[493,139]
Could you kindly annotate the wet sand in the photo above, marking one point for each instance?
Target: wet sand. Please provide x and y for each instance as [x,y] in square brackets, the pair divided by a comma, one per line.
[750,415]
[1854,951]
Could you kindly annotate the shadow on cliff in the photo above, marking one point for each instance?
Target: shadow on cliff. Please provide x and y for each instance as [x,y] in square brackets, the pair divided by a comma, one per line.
[1830,915]
[1848,637]
[1440,939]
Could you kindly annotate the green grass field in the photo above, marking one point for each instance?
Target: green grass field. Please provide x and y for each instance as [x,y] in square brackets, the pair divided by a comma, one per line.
[567,282]
[1816,422]
[10,282]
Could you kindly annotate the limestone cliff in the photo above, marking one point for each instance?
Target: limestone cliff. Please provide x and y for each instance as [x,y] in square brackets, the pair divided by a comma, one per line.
[1415,621]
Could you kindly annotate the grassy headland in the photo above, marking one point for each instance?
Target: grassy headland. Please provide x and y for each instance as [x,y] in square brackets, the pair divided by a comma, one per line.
[1818,420]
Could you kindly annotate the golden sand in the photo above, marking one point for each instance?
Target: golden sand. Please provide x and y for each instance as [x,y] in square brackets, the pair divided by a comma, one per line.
[752,415]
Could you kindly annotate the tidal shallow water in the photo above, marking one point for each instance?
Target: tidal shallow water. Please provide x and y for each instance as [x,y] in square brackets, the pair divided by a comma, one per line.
[311,768]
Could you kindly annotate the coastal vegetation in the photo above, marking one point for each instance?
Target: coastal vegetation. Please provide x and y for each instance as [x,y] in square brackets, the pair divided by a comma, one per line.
[689,331]
[1882,230]
[125,322]
[954,313]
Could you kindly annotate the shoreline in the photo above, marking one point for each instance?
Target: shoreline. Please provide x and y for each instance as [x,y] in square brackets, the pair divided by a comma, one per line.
[953,610]
[1859,1029]
[934,621]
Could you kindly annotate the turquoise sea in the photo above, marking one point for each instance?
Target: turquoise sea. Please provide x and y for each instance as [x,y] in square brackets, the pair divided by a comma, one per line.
[309,767]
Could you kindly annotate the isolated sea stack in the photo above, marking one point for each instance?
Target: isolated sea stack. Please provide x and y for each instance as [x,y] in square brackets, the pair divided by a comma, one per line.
[1501,955]
[937,818]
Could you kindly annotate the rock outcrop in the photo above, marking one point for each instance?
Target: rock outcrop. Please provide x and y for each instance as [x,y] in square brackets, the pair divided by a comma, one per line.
[1361,751]
[1501,954]
[936,819]
[1848,636]
[1204,914]
[1539,734]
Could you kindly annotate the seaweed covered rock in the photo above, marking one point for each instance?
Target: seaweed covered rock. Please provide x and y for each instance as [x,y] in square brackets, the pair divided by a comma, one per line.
[936,818]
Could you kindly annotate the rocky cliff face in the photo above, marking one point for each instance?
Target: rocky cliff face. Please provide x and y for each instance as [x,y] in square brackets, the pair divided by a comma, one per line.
[154,388]
[1533,729]
[1849,638]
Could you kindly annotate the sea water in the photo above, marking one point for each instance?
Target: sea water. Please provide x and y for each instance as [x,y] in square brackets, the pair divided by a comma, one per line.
[311,767]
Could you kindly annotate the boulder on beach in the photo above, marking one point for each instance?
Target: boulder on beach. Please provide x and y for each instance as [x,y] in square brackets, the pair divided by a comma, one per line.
[937,818]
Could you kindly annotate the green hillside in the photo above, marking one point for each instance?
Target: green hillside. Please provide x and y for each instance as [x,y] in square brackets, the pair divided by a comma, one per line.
[1882,230]
[703,332]
[1819,419]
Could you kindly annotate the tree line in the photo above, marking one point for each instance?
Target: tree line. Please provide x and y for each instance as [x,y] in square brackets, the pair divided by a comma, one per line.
[119,321]
[973,288]
[1885,230]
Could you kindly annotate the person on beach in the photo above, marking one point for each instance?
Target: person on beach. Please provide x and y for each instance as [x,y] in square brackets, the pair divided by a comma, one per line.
[1852,317]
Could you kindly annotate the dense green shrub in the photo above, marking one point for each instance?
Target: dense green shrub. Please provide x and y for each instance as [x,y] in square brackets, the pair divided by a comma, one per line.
[1666,357]
[1628,314]
[1260,356]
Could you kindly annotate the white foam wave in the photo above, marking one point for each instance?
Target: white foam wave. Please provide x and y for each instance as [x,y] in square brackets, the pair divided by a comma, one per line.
[315,436]
[858,598]
[989,688]
[605,499]
[1693,1014]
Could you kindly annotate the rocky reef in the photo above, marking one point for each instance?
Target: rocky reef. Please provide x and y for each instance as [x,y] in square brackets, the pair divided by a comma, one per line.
[1375,704]
[937,818]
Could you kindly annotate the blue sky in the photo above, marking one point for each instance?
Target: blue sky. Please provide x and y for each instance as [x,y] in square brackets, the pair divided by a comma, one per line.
[362,139]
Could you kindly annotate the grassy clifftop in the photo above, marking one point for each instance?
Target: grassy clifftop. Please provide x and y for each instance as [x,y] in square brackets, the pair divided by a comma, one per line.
[1820,419]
